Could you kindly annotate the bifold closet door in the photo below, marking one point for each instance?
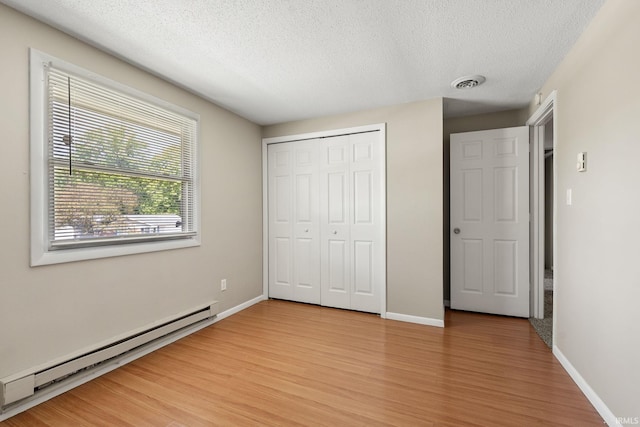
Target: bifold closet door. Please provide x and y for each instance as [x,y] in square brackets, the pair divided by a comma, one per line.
[326,230]
[294,249]
[351,255]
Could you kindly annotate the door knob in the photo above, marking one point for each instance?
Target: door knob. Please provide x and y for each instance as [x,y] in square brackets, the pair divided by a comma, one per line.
[335,232]
[456,230]
[306,230]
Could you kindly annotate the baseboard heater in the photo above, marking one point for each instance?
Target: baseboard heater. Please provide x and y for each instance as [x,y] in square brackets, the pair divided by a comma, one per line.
[14,389]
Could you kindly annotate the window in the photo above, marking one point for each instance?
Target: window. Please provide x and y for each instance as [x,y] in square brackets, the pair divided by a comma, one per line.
[113,170]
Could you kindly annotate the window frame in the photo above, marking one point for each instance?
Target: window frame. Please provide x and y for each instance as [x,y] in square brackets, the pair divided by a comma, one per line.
[41,254]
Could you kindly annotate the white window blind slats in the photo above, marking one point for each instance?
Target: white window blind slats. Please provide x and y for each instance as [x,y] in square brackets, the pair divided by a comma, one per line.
[106,142]
[121,169]
[78,165]
[108,101]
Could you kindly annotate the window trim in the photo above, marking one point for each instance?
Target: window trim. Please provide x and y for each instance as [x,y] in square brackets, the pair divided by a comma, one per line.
[38,140]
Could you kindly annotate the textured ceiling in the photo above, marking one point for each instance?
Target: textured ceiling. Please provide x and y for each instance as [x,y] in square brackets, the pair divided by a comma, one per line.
[276,60]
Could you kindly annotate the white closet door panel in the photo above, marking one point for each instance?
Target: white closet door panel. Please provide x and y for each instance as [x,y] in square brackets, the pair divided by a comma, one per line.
[363,197]
[304,195]
[282,261]
[363,268]
[280,225]
[335,292]
[335,242]
[304,260]
[366,229]
[338,198]
[306,230]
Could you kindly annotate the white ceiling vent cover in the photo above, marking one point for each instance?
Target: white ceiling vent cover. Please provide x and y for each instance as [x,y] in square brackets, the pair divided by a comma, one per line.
[467,82]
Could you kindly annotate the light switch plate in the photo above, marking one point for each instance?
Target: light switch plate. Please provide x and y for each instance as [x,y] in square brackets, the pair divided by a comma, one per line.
[582,162]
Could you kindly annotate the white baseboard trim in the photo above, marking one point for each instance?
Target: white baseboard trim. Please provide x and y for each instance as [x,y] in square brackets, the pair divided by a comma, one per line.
[75,381]
[240,307]
[415,319]
[586,389]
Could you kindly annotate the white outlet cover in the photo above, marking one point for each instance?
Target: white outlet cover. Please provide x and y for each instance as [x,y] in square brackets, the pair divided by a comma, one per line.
[582,162]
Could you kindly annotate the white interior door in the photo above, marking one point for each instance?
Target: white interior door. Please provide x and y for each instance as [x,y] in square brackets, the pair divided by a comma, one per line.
[490,221]
[294,252]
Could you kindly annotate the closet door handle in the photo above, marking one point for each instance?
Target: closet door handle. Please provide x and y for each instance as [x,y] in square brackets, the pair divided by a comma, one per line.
[306,230]
[335,231]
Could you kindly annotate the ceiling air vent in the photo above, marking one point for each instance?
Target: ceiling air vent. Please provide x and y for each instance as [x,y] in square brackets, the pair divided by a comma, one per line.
[467,82]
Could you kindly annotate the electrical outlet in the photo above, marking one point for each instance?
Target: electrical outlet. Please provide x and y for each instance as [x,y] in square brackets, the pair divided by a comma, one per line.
[223,284]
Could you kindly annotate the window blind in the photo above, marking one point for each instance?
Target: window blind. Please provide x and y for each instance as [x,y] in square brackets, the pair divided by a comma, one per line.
[120,169]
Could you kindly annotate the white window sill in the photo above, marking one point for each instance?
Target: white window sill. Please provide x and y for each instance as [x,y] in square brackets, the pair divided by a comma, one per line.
[39,257]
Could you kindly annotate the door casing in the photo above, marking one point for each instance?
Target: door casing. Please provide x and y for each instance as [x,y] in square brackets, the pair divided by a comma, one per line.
[544,114]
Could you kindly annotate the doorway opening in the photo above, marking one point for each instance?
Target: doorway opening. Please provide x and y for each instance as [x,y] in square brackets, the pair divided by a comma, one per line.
[543,173]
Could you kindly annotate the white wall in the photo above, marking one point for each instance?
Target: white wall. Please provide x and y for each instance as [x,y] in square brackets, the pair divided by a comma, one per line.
[598,257]
[414,199]
[52,311]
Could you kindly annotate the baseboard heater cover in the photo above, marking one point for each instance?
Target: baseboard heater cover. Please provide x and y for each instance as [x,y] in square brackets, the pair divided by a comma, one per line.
[14,389]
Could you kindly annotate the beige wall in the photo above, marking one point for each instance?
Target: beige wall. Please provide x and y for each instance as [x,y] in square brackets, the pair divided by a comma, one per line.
[501,119]
[414,199]
[51,311]
[597,269]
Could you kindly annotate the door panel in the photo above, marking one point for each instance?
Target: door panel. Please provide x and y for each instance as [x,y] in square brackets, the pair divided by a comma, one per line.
[471,150]
[352,190]
[489,211]
[334,222]
[472,195]
[280,232]
[306,265]
[304,194]
[336,152]
[366,203]
[505,194]
[473,262]
[337,198]
[363,197]
[304,261]
[363,268]
[505,266]
[337,267]
[282,262]
[293,222]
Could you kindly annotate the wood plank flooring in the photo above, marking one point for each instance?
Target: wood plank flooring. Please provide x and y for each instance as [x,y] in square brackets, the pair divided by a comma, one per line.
[283,363]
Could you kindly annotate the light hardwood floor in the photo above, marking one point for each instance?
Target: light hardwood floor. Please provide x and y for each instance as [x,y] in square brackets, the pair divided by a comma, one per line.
[282,363]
